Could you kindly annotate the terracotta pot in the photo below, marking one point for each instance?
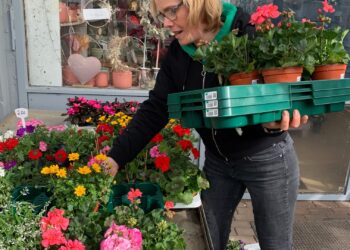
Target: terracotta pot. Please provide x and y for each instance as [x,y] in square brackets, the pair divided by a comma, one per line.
[329,72]
[122,79]
[91,82]
[288,74]
[102,79]
[68,76]
[244,78]
[72,15]
[64,18]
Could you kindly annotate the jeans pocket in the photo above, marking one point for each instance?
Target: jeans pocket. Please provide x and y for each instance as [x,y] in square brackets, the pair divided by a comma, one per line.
[268,154]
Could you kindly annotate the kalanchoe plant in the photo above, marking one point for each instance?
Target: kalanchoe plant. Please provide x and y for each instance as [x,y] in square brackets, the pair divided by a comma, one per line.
[287,44]
[329,47]
[233,54]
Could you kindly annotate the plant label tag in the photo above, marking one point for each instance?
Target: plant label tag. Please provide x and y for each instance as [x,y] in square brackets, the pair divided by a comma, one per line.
[342,76]
[212,95]
[22,113]
[211,104]
[255,81]
[96,14]
[211,113]
[298,78]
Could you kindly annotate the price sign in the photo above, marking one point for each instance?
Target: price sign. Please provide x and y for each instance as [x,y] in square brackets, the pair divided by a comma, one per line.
[96,14]
[22,113]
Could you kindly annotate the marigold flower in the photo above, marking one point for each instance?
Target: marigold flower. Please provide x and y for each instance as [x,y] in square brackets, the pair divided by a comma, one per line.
[84,170]
[45,171]
[62,173]
[54,169]
[73,156]
[96,167]
[101,157]
[88,120]
[80,190]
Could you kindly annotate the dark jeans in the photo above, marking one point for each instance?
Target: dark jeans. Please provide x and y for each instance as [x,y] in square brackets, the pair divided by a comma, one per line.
[272,179]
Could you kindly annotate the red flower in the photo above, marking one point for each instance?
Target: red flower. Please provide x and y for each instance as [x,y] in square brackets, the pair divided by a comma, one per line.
[49,158]
[169,205]
[105,128]
[133,194]
[2,147]
[73,245]
[34,154]
[185,144]
[195,153]
[61,156]
[327,7]
[263,13]
[180,131]
[11,143]
[51,237]
[102,139]
[162,162]
[157,138]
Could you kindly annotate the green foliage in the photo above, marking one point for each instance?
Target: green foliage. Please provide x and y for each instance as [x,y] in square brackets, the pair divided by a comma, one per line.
[235,245]
[19,227]
[286,45]
[233,54]
[5,190]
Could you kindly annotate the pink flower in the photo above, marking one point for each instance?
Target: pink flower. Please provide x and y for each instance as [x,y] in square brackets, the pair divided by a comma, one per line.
[263,13]
[54,219]
[305,20]
[154,152]
[32,122]
[121,238]
[73,245]
[133,194]
[1,164]
[52,237]
[57,128]
[42,146]
[105,149]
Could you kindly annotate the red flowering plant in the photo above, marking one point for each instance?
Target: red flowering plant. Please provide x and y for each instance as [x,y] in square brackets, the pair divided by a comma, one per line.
[288,43]
[169,160]
[329,47]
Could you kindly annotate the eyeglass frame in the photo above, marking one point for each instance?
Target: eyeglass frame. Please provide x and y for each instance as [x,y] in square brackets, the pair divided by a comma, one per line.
[173,13]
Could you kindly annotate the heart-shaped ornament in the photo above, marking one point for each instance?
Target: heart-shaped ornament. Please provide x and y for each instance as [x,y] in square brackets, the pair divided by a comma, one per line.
[84,68]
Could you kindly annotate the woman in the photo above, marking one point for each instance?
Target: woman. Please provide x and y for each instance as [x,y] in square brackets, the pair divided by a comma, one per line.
[260,158]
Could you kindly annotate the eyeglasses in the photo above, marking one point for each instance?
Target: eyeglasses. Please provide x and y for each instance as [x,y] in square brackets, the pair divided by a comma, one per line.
[169,13]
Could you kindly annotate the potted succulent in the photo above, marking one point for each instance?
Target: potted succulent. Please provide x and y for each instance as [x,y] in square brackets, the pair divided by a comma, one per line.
[284,49]
[231,58]
[330,54]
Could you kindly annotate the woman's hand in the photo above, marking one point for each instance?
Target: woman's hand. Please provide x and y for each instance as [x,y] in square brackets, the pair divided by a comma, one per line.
[110,166]
[286,123]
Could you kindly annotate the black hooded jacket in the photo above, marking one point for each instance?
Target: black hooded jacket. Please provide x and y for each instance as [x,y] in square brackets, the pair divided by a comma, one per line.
[179,72]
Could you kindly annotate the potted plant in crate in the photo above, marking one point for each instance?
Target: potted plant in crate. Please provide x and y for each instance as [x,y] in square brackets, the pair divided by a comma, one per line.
[231,58]
[330,54]
[284,49]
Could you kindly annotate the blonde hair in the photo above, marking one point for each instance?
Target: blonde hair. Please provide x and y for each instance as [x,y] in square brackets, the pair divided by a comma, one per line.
[207,12]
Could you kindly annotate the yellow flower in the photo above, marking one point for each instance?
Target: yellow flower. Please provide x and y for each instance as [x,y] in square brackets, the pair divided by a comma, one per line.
[101,157]
[54,169]
[96,167]
[45,170]
[113,123]
[62,173]
[80,190]
[88,120]
[73,156]
[102,118]
[84,170]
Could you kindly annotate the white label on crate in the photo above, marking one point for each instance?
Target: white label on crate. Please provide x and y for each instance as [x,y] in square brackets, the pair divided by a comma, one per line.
[96,14]
[298,78]
[255,81]
[212,95]
[342,76]
[211,113]
[211,104]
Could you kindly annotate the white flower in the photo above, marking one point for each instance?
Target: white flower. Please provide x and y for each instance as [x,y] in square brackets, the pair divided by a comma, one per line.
[2,172]
[9,134]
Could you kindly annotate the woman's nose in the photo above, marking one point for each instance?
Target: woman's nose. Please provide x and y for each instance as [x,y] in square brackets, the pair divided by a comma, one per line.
[167,23]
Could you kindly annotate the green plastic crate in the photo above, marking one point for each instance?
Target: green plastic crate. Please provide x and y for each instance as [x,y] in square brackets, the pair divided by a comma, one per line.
[152,197]
[237,106]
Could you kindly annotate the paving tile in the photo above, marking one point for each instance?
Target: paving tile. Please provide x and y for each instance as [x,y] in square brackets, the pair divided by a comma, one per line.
[245,231]
[325,204]
[343,204]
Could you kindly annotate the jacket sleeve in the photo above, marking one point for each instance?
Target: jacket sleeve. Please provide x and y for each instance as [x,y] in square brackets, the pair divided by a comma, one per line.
[148,120]
[241,22]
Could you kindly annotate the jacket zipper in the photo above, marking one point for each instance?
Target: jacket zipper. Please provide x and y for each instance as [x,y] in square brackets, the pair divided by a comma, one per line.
[213,133]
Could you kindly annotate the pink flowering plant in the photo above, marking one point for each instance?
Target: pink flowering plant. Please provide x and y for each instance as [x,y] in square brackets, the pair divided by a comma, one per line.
[155,231]
[82,111]
[286,44]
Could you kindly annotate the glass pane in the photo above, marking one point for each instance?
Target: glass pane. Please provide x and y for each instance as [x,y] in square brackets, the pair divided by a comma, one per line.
[323,148]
